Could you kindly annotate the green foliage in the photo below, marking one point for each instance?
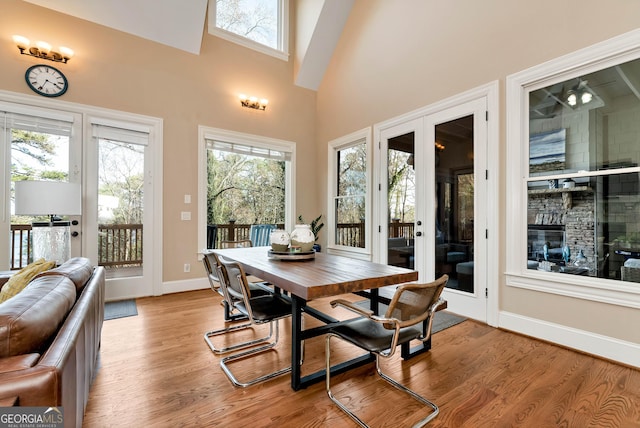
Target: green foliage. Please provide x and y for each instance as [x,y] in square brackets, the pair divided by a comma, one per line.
[247,189]
[316,225]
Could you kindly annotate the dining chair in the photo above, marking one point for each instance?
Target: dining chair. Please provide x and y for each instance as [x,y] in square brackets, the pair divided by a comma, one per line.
[267,309]
[411,305]
[260,234]
[229,300]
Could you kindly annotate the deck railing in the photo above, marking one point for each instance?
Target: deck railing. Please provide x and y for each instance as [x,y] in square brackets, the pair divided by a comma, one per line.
[118,245]
[121,244]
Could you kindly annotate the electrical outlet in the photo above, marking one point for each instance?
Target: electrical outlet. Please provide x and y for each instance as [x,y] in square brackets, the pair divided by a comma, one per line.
[187,267]
[185,215]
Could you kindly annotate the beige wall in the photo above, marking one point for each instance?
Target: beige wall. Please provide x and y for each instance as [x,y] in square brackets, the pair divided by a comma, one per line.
[118,71]
[397,56]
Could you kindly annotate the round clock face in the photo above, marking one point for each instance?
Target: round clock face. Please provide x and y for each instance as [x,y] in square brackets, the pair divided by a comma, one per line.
[46,80]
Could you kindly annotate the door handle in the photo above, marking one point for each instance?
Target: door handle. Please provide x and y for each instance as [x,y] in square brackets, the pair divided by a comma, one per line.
[418,233]
[419,223]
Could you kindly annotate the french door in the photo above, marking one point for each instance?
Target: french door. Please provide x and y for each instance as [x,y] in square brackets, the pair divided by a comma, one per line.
[458,138]
[37,145]
[432,202]
[119,192]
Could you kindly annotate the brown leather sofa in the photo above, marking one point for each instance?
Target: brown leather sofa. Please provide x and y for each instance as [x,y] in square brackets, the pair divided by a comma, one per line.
[50,339]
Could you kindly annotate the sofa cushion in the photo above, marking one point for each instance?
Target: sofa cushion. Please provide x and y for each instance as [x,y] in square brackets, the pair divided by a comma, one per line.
[18,362]
[31,319]
[77,269]
[20,279]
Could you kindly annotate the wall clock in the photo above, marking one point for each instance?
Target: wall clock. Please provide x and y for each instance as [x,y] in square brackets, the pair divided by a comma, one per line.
[46,80]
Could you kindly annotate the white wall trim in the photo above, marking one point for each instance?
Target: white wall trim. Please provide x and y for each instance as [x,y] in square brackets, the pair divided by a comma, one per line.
[584,341]
[183,285]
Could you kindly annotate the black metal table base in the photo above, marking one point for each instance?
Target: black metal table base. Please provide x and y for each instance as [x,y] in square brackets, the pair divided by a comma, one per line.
[299,306]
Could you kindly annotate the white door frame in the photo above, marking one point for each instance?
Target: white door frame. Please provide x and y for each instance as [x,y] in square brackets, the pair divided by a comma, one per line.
[150,283]
[489,93]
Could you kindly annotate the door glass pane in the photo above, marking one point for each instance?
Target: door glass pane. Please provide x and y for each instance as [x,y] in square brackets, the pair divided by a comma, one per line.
[120,207]
[455,203]
[401,196]
[35,155]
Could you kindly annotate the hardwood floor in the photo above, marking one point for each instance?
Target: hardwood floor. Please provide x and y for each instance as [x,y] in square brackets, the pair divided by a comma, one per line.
[156,370]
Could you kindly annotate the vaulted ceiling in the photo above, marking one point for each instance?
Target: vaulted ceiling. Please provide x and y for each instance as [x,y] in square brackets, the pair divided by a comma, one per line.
[181,24]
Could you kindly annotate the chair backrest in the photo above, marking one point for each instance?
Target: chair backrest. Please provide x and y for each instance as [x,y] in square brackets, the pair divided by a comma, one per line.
[210,263]
[260,233]
[243,243]
[235,281]
[413,303]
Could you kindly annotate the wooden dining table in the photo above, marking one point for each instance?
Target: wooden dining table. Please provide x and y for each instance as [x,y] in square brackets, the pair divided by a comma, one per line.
[321,276]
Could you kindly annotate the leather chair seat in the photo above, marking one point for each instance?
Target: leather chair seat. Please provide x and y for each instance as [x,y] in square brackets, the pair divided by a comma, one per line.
[371,335]
[267,308]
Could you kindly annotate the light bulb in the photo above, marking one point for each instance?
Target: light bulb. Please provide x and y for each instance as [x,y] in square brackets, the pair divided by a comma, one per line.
[586,97]
[21,42]
[43,47]
[66,52]
[572,99]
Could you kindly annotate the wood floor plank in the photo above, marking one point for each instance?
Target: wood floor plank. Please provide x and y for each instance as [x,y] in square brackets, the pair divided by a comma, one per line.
[156,370]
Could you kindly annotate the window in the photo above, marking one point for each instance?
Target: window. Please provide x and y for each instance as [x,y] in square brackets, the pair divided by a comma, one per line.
[349,203]
[262,25]
[243,180]
[578,189]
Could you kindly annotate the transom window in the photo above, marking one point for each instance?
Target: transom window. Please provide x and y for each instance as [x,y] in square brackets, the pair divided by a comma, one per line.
[258,24]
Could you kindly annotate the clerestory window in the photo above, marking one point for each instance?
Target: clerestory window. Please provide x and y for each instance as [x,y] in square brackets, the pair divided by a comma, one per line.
[262,25]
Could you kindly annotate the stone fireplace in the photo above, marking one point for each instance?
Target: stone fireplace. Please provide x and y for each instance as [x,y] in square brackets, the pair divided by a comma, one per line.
[562,217]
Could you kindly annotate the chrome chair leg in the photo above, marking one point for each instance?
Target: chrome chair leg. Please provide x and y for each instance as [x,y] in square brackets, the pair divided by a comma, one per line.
[224,362]
[242,345]
[393,382]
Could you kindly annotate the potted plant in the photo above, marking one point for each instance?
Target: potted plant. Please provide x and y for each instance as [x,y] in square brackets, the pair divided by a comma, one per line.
[316,225]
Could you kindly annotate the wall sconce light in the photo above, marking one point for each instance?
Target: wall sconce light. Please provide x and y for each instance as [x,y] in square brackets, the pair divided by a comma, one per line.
[253,102]
[439,146]
[42,50]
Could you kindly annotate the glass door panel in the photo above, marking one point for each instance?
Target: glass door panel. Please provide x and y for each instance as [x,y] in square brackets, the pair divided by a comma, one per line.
[120,208]
[454,243]
[40,149]
[401,200]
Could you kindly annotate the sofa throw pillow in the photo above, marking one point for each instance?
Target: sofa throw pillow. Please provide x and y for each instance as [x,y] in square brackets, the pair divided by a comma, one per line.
[20,279]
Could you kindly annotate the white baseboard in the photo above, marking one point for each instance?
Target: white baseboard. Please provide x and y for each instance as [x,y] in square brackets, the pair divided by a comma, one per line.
[185,285]
[603,346]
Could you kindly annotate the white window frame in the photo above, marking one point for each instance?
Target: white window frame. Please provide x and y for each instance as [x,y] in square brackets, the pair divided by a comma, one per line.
[353,139]
[207,133]
[602,55]
[282,52]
